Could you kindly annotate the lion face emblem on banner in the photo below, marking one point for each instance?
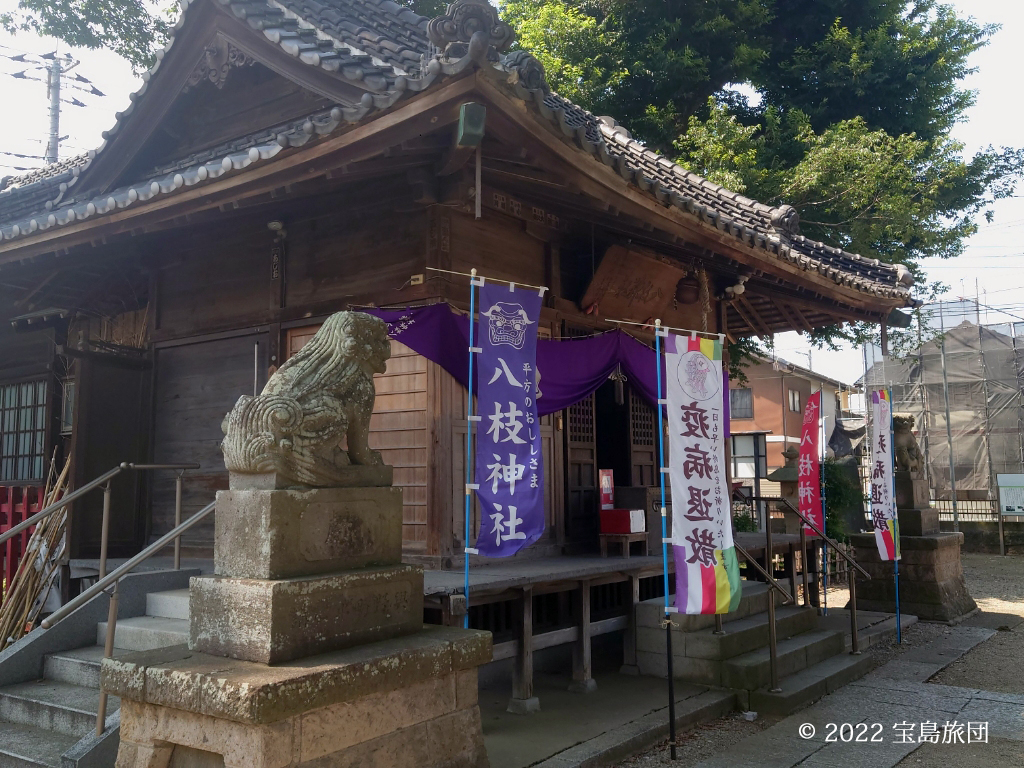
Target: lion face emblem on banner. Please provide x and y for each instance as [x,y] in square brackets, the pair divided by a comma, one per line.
[506,324]
[696,376]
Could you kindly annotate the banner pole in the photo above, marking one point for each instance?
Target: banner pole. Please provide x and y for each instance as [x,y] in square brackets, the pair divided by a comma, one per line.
[821,486]
[469,443]
[658,332]
[896,528]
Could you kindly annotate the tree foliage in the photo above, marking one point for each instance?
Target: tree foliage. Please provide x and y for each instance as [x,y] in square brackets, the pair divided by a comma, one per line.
[130,28]
[842,108]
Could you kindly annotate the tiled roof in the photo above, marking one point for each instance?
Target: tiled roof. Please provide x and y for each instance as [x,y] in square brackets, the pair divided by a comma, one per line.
[384,47]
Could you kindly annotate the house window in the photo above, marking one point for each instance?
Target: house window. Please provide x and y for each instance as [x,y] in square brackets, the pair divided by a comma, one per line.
[741,404]
[22,430]
[67,406]
[794,400]
[748,456]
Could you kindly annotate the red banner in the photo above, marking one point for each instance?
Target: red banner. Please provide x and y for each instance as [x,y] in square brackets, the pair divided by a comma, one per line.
[809,465]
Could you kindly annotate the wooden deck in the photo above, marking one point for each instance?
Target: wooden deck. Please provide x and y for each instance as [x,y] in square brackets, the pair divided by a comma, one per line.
[520,581]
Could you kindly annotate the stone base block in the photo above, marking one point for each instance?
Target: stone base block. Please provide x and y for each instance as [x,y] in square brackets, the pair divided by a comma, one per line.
[523,706]
[932,585]
[409,703]
[272,621]
[919,522]
[353,475]
[275,534]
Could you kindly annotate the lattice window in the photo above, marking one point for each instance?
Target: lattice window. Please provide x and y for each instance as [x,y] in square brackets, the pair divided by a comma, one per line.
[641,417]
[581,421]
[22,430]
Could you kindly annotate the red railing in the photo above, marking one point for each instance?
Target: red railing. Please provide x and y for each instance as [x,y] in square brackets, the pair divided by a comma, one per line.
[17,503]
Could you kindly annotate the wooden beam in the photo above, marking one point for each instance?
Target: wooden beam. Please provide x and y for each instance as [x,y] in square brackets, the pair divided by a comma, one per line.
[735,305]
[455,160]
[790,318]
[39,286]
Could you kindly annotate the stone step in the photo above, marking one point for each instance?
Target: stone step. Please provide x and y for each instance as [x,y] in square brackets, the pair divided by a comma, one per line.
[53,706]
[752,670]
[25,746]
[145,633]
[741,636]
[809,685]
[78,667]
[754,600]
[172,604]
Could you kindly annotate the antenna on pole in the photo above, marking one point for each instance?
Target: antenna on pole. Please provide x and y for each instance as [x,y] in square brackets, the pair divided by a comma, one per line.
[56,68]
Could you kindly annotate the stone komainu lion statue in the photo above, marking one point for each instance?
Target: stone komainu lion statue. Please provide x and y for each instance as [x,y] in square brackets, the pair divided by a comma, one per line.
[908,454]
[318,398]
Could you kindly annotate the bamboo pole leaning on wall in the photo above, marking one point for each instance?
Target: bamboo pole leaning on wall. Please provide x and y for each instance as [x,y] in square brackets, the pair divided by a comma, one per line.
[26,594]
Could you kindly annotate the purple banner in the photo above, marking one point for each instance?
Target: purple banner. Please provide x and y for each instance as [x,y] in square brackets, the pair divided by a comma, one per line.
[569,369]
[509,459]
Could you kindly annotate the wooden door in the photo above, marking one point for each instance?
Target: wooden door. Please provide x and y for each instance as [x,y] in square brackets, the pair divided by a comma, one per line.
[643,442]
[196,385]
[110,427]
[582,496]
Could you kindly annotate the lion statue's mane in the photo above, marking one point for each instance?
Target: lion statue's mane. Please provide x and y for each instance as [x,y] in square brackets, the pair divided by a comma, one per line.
[320,397]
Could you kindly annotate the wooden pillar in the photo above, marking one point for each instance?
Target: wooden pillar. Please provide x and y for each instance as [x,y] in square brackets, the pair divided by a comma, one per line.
[523,702]
[629,665]
[582,668]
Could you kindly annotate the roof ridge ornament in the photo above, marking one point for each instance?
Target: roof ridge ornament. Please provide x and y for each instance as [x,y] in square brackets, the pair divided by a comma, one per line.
[470,28]
[786,221]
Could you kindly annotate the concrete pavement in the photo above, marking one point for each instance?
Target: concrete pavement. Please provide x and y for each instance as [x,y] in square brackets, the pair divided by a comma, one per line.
[893,697]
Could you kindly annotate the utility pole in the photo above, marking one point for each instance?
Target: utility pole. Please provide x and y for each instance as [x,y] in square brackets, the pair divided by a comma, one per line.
[53,91]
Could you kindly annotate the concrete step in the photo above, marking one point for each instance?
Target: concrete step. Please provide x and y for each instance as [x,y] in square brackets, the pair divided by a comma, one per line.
[743,635]
[752,670]
[78,667]
[172,604]
[754,600]
[25,746]
[145,633]
[53,705]
[809,685]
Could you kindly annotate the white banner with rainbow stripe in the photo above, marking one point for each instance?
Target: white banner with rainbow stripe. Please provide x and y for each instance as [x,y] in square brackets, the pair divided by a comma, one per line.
[707,572]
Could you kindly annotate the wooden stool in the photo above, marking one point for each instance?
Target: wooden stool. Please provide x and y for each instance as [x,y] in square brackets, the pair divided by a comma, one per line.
[623,540]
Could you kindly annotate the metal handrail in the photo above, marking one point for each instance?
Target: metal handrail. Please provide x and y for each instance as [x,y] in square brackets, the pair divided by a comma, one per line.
[854,640]
[61,503]
[127,566]
[104,480]
[114,578]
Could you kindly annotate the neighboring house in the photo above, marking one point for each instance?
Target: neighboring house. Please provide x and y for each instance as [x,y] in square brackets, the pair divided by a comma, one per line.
[772,401]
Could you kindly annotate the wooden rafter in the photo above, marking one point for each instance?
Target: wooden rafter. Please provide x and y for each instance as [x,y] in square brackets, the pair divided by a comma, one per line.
[790,316]
[759,324]
[745,318]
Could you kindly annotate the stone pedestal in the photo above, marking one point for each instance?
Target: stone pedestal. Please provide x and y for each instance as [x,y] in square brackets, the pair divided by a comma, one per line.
[932,583]
[306,647]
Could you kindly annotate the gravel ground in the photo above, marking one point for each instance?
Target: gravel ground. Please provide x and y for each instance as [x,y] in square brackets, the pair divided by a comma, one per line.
[997,584]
